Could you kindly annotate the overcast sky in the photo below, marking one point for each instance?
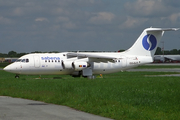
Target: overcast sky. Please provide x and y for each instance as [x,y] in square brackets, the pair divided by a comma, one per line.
[84,25]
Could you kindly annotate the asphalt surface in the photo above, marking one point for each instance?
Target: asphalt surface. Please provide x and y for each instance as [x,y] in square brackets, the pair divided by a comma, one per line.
[157,70]
[22,109]
[161,69]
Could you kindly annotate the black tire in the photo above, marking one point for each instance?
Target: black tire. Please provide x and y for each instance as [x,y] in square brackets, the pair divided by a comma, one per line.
[17,76]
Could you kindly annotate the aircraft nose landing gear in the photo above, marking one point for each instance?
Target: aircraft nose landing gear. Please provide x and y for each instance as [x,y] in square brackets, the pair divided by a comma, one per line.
[17,76]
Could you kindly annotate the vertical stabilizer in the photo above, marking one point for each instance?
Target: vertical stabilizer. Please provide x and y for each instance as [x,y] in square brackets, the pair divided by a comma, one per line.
[148,41]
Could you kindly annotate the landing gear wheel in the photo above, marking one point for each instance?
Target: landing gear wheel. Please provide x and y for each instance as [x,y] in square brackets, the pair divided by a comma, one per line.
[17,76]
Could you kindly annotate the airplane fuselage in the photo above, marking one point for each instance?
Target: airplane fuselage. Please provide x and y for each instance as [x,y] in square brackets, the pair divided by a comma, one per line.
[53,63]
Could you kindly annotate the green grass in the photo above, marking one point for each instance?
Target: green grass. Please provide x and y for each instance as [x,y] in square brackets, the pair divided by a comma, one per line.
[121,96]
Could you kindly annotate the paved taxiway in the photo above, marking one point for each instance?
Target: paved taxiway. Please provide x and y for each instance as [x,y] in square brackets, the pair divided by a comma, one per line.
[160,69]
[157,70]
[22,109]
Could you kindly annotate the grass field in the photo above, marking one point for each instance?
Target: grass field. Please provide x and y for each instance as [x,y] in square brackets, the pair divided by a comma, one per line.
[121,96]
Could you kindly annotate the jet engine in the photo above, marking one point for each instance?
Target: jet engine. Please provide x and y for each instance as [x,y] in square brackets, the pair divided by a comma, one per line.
[76,65]
[79,65]
[67,64]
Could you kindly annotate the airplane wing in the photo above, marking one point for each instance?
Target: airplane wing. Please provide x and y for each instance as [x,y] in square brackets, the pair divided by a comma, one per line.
[172,57]
[167,57]
[94,57]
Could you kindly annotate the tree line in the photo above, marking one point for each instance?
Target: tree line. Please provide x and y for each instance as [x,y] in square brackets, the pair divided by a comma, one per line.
[159,51]
[13,54]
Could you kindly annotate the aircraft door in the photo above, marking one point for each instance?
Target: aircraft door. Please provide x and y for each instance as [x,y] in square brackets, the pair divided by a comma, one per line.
[123,61]
[36,61]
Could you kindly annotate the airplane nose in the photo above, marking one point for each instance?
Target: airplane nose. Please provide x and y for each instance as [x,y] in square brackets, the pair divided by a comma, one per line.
[7,68]
[12,68]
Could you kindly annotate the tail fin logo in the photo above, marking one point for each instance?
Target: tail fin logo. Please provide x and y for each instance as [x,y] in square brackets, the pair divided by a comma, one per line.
[149,42]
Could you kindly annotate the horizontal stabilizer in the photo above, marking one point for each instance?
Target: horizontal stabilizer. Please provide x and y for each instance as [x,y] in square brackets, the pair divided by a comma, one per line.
[162,29]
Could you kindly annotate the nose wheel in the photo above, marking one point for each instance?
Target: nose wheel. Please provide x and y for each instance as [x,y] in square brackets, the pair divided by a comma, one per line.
[17,76]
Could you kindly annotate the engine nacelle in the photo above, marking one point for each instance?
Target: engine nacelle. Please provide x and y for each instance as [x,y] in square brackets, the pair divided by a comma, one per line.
[67,64]
[76,65]
[80,65]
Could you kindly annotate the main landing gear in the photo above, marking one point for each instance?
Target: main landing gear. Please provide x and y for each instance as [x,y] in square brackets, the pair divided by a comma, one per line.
[17,76]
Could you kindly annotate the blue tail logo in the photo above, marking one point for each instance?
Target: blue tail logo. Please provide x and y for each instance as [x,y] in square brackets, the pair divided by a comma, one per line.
[149,42]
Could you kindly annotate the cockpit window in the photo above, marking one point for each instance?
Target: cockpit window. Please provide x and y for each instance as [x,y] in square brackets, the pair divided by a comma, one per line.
[23,60]
[18,60]
[27,60]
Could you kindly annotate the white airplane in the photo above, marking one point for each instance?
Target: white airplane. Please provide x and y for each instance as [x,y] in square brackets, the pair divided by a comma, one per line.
[164,58]
[88,64]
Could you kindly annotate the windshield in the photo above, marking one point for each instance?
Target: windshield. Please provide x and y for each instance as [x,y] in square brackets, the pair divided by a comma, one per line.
[22,60]
[18,60]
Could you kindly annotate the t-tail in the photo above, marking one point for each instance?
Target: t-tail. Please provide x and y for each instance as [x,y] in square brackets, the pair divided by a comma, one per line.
[148,41]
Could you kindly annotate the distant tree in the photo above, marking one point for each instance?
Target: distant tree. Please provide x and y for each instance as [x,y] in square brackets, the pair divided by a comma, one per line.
[179,51]
[37,52]
[3,55]
[158,51]
[174,52]
[12,54]
[20,54]
[167,52]
[54,52]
